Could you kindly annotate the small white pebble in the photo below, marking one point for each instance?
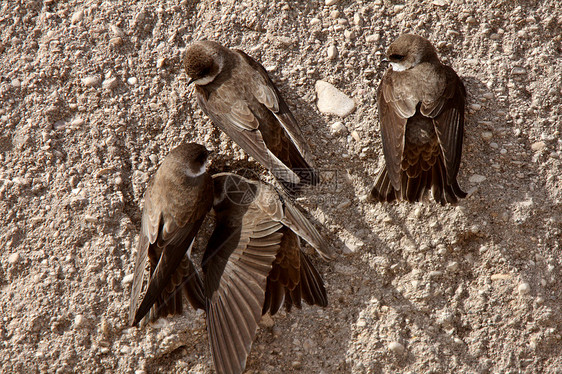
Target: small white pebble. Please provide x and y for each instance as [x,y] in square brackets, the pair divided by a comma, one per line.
[453,266]
[538,146]
[110,83]
[161,62]
[91,81]
[77,16]
[518,71]
[373,38]
[117,31]
[132,81]
[475,178]
[90,219]
[128,279]
[524,288]
[76,122]
[79,321]
[338,128]
[396,347]
[487,135]
[475,106]
[332,52]
[361,323]
[14,258]
[355,136]
[331,2]
[500,276]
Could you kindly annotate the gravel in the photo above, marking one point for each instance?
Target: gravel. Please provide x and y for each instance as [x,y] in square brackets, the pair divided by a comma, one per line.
[93,96]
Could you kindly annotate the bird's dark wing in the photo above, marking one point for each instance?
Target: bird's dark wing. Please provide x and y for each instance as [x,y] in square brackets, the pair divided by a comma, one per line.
[233,116]
[268,95]
[295,220]
[292,278]
[448,118]
[396,105]
[236,265]
[169,239]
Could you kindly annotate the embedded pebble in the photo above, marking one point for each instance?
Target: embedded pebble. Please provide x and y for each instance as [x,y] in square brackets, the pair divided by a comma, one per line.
[396,347]
[338,128]
[110,83]
[524,288]
[128,279]
[332,52]
[79,321]
[132,81]
[117,31]
[77,16]
[76,122]
[500,276]
[475,106]
[538,146]
[373,38]
[91,81]
[476,178]
[267,321]
[333,101]
[161,62]
[453,266]
[518,71]
[14,258]
[355,136]
[331,2]
[16,83]
[487,135]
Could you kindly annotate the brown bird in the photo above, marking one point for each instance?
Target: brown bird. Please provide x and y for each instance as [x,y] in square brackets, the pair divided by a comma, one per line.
[237,94]
[175,204]
[421,110]
[253,262]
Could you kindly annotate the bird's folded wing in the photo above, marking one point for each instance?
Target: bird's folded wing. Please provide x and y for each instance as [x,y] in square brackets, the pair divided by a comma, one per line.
[448,118]
[299,224]
[268,95]
[394,110]
[173,250]
[238,122]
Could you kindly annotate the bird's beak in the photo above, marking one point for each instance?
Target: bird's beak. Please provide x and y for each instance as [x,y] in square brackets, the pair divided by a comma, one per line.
[189,81]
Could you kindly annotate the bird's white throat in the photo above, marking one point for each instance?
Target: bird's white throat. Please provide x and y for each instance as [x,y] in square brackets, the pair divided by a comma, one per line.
[396,66]
[205,80]
[201,171]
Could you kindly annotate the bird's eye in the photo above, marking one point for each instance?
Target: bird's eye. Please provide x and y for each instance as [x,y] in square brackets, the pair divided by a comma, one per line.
[396,57]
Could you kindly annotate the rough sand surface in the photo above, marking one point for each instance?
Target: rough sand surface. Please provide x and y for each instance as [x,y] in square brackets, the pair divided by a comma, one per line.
[93,96]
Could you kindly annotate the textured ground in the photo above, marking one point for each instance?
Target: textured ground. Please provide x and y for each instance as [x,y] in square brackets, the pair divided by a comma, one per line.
[92,97]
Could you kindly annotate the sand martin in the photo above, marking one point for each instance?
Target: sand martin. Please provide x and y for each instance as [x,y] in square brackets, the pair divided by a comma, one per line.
[175,204]
[421,109]
[239,97]
[253,262]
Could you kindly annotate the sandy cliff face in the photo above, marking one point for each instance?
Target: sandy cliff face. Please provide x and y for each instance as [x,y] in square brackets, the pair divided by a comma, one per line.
[93,96]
